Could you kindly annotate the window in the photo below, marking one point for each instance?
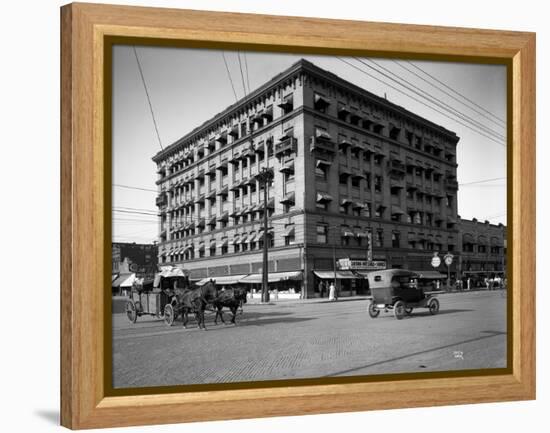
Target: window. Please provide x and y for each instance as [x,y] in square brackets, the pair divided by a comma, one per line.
[379,238]
[322,233]
[449,200]
[320,103]
[224,250]
[289,234]
[451,247]
[378,183]
[321,170]
[378,159]
[343,179]
[481,248]
[243,129]
[236,247]
[269,144]
[321,205]
[367,210]
[395,240]
[379,211]
[288,104]
[356,211]
[355,182]
[201,253]
[212,251]
[429,219]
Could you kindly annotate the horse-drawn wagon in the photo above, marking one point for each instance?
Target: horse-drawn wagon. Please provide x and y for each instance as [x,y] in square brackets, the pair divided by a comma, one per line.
[156,297]
[398,290]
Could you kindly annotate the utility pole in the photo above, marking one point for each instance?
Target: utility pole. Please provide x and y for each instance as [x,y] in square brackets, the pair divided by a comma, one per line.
[265,177]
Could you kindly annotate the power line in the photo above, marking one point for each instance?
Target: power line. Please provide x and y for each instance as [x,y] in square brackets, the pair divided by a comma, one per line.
[413,88]
[420,102]
[148,97]
[455,92]
[246,68]
[134,187]
[498,123]
[229,76]
[242,75]
[482,181]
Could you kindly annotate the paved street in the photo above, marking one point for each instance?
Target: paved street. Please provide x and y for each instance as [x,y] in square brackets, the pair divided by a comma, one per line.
[312,339]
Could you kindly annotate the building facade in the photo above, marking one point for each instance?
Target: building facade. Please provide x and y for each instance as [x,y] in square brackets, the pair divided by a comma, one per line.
[483,251]
[141,259]
[355,176]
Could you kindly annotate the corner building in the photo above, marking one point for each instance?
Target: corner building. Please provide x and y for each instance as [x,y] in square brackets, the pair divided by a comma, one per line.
[355,177]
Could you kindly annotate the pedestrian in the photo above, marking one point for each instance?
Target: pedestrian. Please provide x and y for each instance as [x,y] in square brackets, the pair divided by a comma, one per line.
[322,288]
[332,292]
[469,282]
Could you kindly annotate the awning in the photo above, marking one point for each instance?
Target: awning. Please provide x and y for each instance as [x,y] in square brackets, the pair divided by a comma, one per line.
[224,191]
[288,167]
[346,201]
[396,210]
[451,220]
[224,216]
[430,275]
[323,197]
[340,275]
[236,239]
[495,242]
[347,232]
[345,172]
[222,243]
[320,162]
[362,233]
[201,246]
[226,280]
[272,277]
[319,133]
[289,198]
[289,230]
[321,100]
[357,205]
[253,237]
[124,280]
[244,238]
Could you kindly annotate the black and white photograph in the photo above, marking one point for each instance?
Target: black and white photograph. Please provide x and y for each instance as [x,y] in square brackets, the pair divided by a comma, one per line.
[279,216]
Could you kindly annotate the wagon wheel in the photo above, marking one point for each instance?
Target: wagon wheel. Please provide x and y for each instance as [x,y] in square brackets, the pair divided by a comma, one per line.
[433,306]
[131,311]
[373,311]
[399,310]
[409,310]
[139,308]
[169,315]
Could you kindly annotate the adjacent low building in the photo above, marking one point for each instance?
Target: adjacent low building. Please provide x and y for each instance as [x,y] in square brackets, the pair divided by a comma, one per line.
[483,251]
[355,177]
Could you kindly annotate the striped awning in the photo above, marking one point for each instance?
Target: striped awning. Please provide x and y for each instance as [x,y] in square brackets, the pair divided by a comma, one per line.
[272,277]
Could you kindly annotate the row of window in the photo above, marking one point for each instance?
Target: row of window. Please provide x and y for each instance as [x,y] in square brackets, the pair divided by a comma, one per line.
[232,134]
[394,132]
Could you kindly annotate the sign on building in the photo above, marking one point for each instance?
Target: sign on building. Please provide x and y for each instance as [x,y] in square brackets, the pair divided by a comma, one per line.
[354,264]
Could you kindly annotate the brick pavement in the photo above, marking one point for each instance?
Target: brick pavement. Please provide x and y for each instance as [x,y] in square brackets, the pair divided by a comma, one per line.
[312,339]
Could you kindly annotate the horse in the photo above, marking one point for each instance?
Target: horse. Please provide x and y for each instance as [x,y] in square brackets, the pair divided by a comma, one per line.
[195,300]
[232,299]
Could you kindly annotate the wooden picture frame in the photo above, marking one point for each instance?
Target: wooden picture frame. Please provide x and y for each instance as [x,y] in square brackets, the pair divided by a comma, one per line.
[85,28]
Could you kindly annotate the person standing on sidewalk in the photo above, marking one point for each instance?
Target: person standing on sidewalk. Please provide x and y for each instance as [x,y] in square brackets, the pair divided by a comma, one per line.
[322,288]
[332,292]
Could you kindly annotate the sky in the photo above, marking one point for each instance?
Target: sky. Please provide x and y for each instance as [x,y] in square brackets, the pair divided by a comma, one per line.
[189,86]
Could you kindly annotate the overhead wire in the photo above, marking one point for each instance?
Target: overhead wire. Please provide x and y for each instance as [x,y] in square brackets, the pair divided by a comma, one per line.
[435,86]
[148,97]
[420,102]
[229,76]
[423,94]
[456,92]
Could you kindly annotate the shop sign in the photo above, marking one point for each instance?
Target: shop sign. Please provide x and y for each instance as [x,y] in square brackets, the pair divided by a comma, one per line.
[354,264]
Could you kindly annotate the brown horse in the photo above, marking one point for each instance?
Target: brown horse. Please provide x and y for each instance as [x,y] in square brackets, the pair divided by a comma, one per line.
[195,300]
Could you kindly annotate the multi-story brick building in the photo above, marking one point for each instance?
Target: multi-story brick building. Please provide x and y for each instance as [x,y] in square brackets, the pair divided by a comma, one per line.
[142,258]
[483,250]
[355,176]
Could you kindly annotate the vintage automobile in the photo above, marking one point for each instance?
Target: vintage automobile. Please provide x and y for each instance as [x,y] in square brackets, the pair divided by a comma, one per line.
[398,290]
[157,297]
